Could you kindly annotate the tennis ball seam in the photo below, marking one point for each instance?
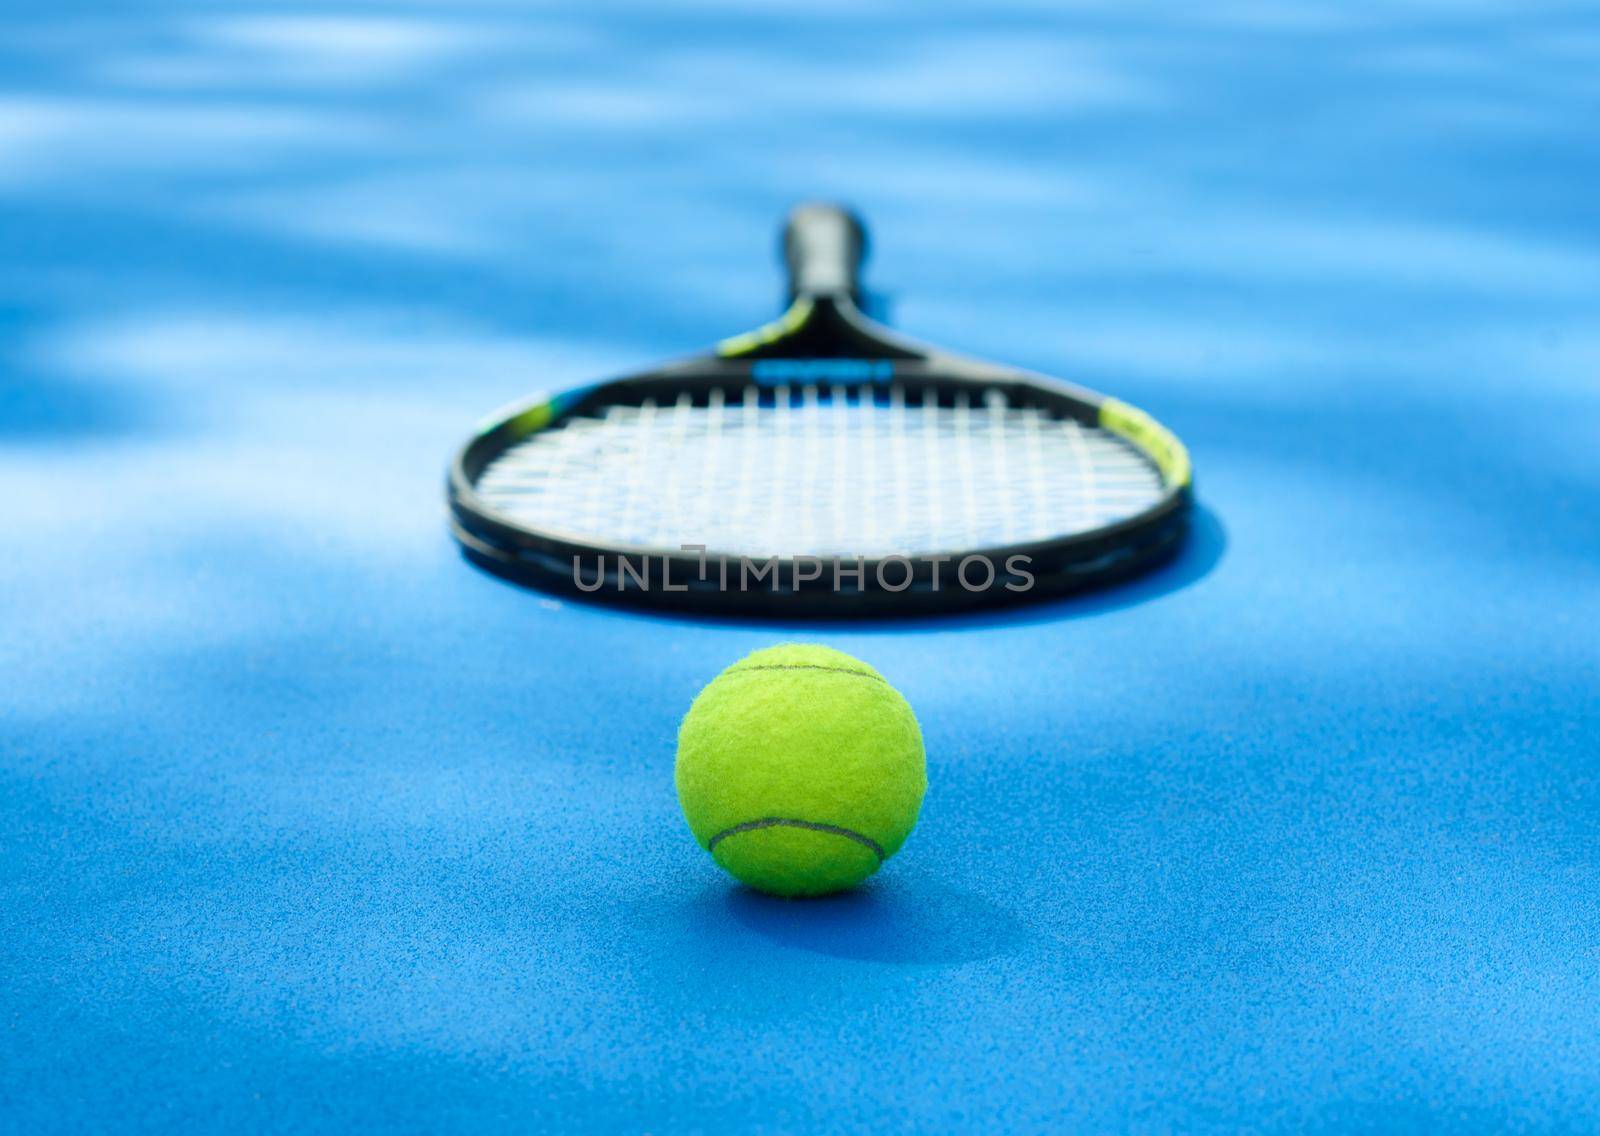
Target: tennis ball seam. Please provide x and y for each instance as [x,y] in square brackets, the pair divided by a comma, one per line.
[790,822]
[806,667]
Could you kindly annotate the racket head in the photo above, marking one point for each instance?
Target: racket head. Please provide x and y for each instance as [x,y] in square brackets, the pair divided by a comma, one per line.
[821,465]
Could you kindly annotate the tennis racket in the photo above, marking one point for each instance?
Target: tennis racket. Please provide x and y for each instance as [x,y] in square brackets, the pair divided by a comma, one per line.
[821,464]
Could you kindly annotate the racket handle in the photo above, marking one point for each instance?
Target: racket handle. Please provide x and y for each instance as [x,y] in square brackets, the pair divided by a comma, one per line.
[824,246]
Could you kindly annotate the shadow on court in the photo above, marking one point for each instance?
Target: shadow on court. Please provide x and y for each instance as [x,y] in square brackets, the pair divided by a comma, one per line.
[886,921]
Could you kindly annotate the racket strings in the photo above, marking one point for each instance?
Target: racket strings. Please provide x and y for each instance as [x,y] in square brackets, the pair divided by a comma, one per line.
[821,470]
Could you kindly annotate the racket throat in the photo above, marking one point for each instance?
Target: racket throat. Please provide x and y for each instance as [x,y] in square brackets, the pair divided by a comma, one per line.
[820,327]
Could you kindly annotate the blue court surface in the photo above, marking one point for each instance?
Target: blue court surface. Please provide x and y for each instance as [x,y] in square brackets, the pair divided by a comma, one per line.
[308,825]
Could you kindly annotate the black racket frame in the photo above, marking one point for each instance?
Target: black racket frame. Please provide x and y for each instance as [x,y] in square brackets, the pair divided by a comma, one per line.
[824,334]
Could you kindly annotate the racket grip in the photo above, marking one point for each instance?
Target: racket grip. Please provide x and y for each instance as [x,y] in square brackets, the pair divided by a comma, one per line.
[824,246]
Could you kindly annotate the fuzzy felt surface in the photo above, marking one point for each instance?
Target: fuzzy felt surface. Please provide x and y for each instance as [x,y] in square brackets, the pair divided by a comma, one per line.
[801,769]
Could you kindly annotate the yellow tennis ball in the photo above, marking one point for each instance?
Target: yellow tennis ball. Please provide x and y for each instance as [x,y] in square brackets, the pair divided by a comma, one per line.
[801,770]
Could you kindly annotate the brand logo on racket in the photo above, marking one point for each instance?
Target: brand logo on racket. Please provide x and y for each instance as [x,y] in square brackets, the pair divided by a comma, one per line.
[774,372]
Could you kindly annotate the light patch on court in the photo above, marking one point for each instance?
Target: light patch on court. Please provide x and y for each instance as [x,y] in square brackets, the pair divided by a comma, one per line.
[45,139]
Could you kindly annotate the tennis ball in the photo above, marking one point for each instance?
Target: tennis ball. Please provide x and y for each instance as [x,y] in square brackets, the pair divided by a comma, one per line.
[800,769]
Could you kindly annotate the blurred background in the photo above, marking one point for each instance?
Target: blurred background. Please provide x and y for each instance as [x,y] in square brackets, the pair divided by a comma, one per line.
[233,233]
[1226,204]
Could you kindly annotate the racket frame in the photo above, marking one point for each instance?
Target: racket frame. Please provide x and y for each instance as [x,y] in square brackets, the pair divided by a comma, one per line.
[822,332]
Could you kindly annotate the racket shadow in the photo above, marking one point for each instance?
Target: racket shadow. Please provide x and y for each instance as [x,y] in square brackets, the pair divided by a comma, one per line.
[1198,557]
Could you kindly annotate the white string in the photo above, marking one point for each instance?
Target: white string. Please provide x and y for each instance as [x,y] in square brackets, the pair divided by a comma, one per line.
[898,456]
[930,459]
[779,480]
[841,417]
[1088,484]
[996,402]
[750,432]
[821,472]
[810,460]
[867,441]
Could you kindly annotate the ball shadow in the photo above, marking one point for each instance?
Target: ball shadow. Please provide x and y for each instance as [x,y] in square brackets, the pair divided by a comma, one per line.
[884,921]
